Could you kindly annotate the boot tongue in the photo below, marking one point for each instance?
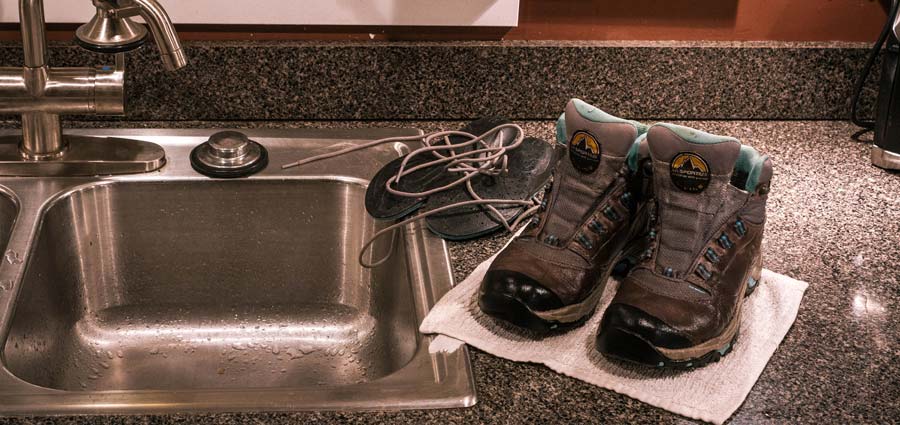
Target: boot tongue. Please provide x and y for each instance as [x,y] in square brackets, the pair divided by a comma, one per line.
[692,173]
[595,141]
[597,144]
[691,164]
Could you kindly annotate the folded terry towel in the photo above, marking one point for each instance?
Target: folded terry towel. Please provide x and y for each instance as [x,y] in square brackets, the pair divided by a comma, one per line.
[711,393]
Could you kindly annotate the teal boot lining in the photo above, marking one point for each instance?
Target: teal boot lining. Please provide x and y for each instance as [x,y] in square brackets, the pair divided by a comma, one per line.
[633,151]
[750,163]
[561,130]
[593,113]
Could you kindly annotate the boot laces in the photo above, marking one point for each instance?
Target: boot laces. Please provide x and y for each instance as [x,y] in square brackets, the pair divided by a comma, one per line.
[488,158]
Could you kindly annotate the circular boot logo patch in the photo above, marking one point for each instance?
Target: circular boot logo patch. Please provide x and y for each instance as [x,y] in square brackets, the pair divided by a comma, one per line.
[689,172]
[584,152]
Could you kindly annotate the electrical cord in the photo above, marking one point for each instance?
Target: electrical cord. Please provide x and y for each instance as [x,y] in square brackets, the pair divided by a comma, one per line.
[867,69]
[488,158]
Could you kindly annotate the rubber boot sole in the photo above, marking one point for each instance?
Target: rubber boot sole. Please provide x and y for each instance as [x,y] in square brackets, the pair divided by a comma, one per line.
[512,310]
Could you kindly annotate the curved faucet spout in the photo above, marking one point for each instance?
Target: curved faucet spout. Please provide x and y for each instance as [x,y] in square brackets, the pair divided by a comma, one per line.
[164,34]
[111,30]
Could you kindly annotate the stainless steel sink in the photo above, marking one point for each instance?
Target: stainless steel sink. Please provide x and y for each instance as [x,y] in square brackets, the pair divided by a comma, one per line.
[174,292]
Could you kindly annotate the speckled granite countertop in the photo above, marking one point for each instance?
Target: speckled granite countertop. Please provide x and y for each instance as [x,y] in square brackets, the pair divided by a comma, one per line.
[294,80]
[834,221]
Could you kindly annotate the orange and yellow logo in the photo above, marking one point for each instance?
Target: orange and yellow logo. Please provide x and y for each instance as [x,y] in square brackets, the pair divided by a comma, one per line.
[689,172]
[584,152]
[586,142]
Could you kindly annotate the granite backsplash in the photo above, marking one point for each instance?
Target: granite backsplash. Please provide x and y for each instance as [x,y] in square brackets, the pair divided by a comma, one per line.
[461,80]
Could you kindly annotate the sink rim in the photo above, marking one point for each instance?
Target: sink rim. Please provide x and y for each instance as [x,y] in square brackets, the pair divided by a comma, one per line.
[449,380]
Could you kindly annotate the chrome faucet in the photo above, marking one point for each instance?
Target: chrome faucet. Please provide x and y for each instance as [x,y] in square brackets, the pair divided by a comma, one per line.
[111,30]
[41,93]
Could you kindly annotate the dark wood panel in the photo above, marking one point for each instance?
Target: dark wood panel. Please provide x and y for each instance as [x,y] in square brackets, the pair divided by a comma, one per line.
[791,20]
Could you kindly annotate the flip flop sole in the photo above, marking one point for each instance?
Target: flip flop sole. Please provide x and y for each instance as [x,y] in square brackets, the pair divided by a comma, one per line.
[384,205]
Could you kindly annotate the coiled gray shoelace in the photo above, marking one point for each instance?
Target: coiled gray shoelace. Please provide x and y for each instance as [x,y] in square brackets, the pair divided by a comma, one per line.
[489,158]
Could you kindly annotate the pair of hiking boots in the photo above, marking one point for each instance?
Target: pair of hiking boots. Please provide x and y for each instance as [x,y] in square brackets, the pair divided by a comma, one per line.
[676,212]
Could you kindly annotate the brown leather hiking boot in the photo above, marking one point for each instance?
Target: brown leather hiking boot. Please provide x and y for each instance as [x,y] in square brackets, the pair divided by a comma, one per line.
[680,306]
[552,275]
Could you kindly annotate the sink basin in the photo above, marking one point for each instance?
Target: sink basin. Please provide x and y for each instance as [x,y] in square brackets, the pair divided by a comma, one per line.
[173,292]
[207,284]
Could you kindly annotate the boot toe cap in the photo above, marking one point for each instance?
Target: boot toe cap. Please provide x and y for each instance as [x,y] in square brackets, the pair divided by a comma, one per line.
[521,288]
[627,327]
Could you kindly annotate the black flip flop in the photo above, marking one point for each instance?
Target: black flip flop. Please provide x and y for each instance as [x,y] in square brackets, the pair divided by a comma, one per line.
[530,167]
[384,205]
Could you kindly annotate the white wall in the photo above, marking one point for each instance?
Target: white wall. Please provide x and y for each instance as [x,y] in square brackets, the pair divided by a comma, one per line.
[501,13]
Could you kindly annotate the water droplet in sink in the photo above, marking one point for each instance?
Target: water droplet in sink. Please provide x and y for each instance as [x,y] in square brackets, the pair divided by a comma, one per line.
[238,346]
[154,350]
[109,354]
[120,354]
[6,285]
[12,257]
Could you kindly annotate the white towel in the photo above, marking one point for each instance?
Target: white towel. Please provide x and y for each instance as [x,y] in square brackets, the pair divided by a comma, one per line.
[711,393]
